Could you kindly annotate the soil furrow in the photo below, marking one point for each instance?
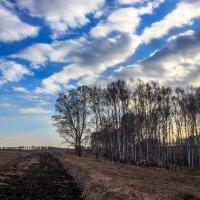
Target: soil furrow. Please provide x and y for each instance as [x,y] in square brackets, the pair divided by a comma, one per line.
[45,178]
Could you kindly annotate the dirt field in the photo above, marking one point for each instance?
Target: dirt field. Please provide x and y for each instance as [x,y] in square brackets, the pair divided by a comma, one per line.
[41,176]
[35,176]
[114,181]
[11,157]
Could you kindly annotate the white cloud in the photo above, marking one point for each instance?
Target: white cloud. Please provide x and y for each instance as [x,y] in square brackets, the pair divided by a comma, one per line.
[98,14]
[33,110]
[60,15]
[12,28]
[86,57]
[12,71]
[40,53]
[53,84]
[188,33]
[5,105]
[130,1]
[31,97]
[20,89]
[37,100]
[42,102]
[176,64]
[7,4]
[34,66]
[123,20]
[183,14]
[91,58]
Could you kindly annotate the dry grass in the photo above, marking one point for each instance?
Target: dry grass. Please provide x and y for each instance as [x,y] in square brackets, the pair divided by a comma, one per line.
[12,163]
[105,180]
[11,157]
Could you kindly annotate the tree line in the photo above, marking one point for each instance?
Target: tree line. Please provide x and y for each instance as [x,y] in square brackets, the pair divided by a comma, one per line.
[133,122]
[33,148]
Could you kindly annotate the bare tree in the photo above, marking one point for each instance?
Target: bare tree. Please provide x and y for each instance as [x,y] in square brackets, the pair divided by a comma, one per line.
[71,117]
[135,122]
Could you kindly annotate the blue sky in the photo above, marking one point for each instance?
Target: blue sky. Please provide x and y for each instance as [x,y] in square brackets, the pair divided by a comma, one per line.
[51,46]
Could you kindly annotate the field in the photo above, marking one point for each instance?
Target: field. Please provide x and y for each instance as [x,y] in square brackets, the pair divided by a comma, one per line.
[43,175]
[11,157]
[33,175]
[114,181]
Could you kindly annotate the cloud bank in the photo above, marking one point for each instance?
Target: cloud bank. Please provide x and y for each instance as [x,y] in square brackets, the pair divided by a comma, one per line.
[176,64]
[12,28]
[12,71]
[60,15]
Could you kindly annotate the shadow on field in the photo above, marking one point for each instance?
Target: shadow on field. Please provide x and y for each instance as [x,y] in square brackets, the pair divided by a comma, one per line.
[40,177]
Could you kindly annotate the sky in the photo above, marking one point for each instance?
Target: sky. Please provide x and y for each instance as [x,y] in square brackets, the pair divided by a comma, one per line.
[51,46]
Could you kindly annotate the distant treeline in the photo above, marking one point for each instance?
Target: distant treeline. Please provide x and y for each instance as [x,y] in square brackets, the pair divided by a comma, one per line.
[33,148]
[135,122]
